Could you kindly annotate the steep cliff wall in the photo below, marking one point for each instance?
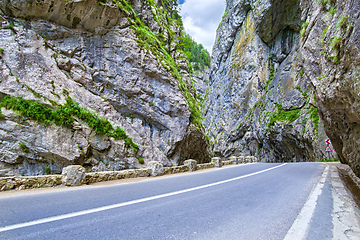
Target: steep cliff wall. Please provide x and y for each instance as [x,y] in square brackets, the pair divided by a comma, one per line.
[114,58]
[330,52]
[276,66]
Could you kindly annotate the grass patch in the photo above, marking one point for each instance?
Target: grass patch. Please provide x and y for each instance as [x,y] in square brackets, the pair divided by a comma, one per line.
[342,22]
[283,116]
[303,29]
[23,147]
[64,115]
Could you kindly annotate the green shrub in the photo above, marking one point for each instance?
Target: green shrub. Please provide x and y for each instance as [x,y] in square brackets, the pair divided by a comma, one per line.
[332,11]
[47,171]
[342,22]
[64,115]
[336,42]
[303,29]
[284,116]
[1,51]
[151,104]
[141,160]
[23,147]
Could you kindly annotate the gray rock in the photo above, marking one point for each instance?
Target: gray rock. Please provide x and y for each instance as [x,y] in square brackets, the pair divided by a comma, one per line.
[217,162]
[97,61]
[191,163]
[73,175]
[234,159]
[155,168]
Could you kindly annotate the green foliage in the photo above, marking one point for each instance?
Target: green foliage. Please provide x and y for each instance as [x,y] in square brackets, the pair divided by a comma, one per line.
[47,171]
[325,159]
[1,51]
[196,54]
[141,160]
[64,115]
[336,42]
[65,92]
[158,46]
[271,70]
[303,28]
[314,116]
[342,22]
[23,147]
[10,26]
[332,11]
[2,116]
[284,116]
[151,104]
[43,36]
[322,77]
[322,40]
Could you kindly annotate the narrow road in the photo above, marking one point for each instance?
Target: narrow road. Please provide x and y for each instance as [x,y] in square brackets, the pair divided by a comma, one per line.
[255,201]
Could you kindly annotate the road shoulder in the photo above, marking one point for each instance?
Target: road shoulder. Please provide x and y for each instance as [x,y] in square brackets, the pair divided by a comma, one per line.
[346,213]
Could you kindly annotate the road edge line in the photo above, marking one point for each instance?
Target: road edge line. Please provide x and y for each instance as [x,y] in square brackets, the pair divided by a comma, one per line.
[301,224]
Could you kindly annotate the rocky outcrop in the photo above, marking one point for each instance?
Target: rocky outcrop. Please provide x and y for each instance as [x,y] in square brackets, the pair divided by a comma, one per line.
[93,52]
[330,52]
[276,66]
[258,103]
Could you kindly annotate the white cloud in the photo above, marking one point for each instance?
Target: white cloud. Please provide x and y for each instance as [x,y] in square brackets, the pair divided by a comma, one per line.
[201,18]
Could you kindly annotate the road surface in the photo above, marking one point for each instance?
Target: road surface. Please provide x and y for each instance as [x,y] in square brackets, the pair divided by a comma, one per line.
[253,201]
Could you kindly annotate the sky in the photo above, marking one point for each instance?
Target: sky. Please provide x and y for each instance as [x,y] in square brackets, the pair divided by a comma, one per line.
[201,19]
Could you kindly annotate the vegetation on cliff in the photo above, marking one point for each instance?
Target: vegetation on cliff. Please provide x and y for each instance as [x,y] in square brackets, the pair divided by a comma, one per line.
[64,116]
[160,43]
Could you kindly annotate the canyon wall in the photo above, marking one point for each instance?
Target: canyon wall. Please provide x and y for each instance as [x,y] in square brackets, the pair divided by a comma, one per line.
[114,59]
[276,67]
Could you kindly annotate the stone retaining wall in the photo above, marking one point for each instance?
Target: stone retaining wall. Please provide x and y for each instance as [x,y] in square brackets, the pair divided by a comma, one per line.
[21,183]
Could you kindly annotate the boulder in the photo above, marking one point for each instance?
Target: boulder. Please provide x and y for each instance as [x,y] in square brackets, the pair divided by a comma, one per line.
[155,168]
[73,175]
[191,163]
[234,159]
[217,161]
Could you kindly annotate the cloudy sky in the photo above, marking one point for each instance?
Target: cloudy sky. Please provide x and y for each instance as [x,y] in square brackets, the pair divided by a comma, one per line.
[201,19]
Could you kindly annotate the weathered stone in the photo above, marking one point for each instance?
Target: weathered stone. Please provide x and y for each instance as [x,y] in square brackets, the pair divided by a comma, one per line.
[191,163]
[155,168]
[217,162]
[98,62]
[234,159]
[248,159]
[64,63]
[255,73]
[73,175]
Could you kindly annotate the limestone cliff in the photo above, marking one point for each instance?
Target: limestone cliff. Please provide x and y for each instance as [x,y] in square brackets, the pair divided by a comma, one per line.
[110,58]
[276,66]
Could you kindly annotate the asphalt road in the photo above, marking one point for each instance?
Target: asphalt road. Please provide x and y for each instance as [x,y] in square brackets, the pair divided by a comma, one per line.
[254,201]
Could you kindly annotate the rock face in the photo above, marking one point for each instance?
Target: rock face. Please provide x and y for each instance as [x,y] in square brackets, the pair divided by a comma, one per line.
[89,50]
[258,103]
[276,66]
[330,52]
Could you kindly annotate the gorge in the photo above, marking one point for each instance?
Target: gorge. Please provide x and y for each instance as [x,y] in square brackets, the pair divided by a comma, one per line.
[119,91]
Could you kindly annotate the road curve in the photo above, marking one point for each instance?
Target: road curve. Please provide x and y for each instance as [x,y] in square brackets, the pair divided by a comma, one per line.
[255,201]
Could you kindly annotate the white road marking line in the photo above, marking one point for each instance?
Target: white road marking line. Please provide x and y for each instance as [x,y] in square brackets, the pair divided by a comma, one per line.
[299,229]
[100,209]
